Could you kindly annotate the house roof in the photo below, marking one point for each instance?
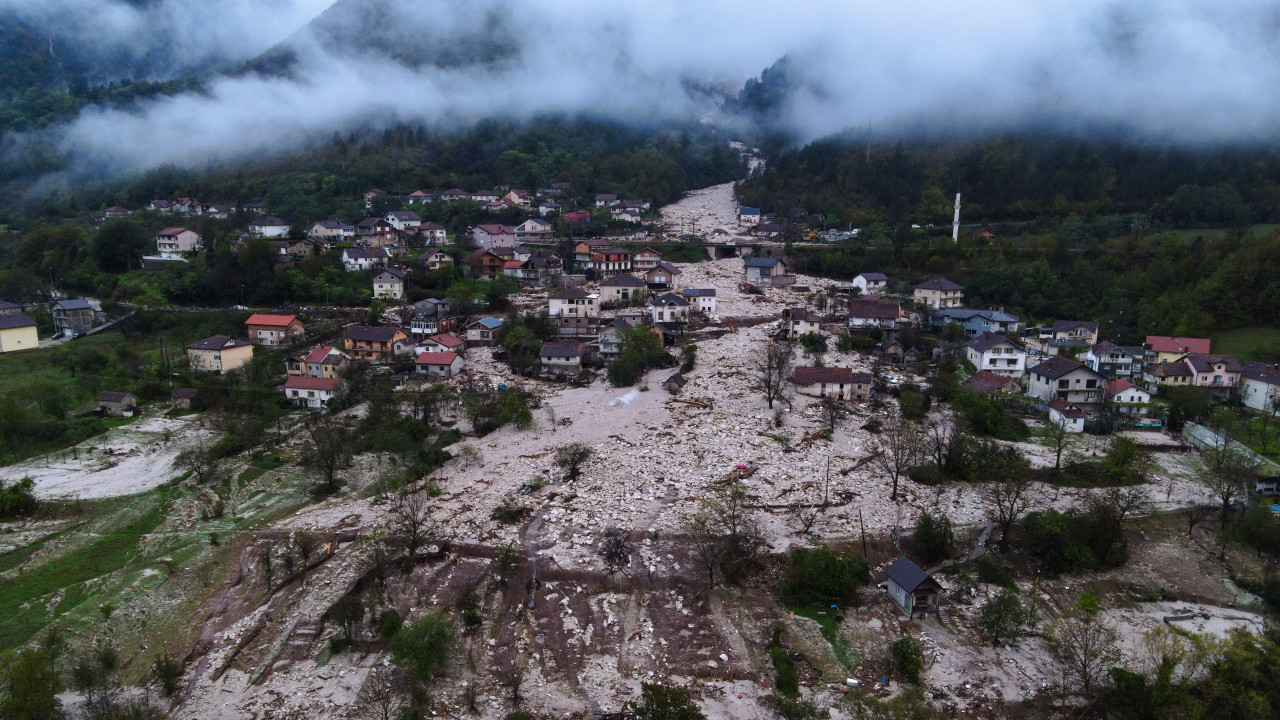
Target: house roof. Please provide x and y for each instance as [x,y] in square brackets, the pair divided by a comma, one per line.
[10,322]
[111,396]
[963,314]
[986,381]
[1206,363]
[1056,367]
[874,276]
[218,342]
[1107,346]
[669,268]
[76,304]
[1066,409]
[373,223]
[477,255]
[906,574]
[428,225]
[306,382]
[563,349]
[1115,387]
[184,394]
[698,292]
[571,293]
[648,250]
[366,253]
[488,323]
[676,379]
[749,211]
[399,275]
[171,232]
[1175,368]
[939,283]
[6,305]
[875,310]
[1067,325]
[1169,344]
[448,340]
[271,320]
[333,225]
[494,229]
[319,354]
[1262,372]
[436,358]
[987,340]
[670,300]
[268,221]
[371,333]
[606,196]
[404,215]
[623,280]
[512,265]
[760,262]
[829,375]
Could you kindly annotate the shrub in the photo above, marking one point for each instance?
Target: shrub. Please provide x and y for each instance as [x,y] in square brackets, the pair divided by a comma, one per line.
[930,474]
[422,648]
[820,577]
[1002,616]
[792,708]
[907,658]
[389,623]
[784,666]
[995,573]
[933,538]
[659,702]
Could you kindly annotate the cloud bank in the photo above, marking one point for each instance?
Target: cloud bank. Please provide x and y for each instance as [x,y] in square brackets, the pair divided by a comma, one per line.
[1187,71]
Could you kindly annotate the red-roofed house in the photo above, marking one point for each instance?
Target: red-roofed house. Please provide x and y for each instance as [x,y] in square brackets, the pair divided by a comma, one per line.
[173,241]
[444,342]
[1127,397]
[1066,415]
[1167,349]
[274,330]
[576,216]
[439,364]
[311,392]
[840,383]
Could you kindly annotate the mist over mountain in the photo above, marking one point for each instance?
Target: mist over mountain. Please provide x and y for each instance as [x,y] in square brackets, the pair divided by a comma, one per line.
[1188,72]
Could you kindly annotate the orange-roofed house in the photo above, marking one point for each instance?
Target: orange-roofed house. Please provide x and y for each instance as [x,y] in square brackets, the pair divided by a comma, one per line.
[311,392]
[274,330]
[439,364]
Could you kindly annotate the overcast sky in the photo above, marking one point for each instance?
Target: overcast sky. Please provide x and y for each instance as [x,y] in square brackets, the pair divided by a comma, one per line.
[1178,70]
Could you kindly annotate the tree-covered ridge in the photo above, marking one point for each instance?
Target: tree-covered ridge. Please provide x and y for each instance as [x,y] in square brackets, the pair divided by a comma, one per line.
[1021,177]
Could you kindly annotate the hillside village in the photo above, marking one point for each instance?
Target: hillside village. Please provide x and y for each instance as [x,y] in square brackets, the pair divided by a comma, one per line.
[609,466]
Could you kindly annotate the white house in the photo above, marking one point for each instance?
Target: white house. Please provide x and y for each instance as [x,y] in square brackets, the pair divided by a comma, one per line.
[444,342]
[562,357]
[1260,386]
[354,259]
[910,587]
[749,216]
[573,302]
[311,392]
[1064,414]
[534,229]
[443,364]
[403,219]
[869,282]
[173,241]
[997,354]
[800,321]
[1065,379]
[389,284]
[939,293]
[269,226]
[611,337]
[1127,397]
[433,233]
[763,270]
[669,308]
[701,299]
[839,383]
[331,229]
[622,288]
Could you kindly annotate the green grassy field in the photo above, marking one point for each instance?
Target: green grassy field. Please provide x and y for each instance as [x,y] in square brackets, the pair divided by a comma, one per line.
[1260,344]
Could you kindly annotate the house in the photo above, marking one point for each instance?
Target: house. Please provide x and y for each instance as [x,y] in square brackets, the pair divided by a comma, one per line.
[432,233]
[765,271]
[800,321]
[220,354]
[483,331]
[115,211]
[534,229]
[181,398]
[664,276]
[997,354]
[748,216]
[1219,373]
[320,362]
[1064,414]
[18,332]
[484,196]
[312,393]
[576,216]
[370,195]
[376,232]
[1065,333]
[645,260]
[606,200]
[455,194]
[610,261]
[627,215]
[73,316]
[116,404]
[562,357]
[674,383]
[612,337]
[331,230]
[1063,378]
[518,198]
[428,316]
[869,282]
[8,308]
[702,300]
[402,219]
[218,212]
[442,365]
[768,229]
[389,284]
[669,308]
[540,269]
[371,342]
[839,383]
[1174,373]
[885,314]
[418,197]
[484,265]
[1126,397]
[436,259]
[173,241]
[444,342]
[355,259]
[160,206]
[574,310]
[622,288]
[976,322]
[489,237]
[910,587]
[985,382]
[546,207]
[269,226]
[1112,360]
[1260,387]
[274,330]
[938,293]
[1166,349]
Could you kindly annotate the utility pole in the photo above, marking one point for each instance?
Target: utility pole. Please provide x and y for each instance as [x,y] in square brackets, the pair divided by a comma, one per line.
[955,223]
[863,525]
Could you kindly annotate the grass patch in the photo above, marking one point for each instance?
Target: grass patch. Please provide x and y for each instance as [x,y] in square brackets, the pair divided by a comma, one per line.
[17,556]
[830,628]
[1260,344]
[110,552]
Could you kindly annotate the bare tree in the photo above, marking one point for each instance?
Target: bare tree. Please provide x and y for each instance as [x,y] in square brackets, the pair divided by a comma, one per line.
[1058,436]
[411,514]
[381,697]
[938,441]
[1085,649]
[1193,515]
[326,450]
[571,457]
[899,448]
[772,367]
[1224,470]
[615,549]
[809,509]
[1007,501]
[705,542]
[200,461]
[832,411]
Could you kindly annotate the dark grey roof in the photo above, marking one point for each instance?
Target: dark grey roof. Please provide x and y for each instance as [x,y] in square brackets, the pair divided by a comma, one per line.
[217,342]
[571,293]
[1056,367]
[367,253]
[760,262]
[986,341]
[1065,325]
[562,349]
[906,574]
[875,276]
[939,283]
[9,322]
[671,299]
[76,304]
[184,393]
[623,280]
[1262,372]
[6,305]
[113,397]
[699,292]
[369,333]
